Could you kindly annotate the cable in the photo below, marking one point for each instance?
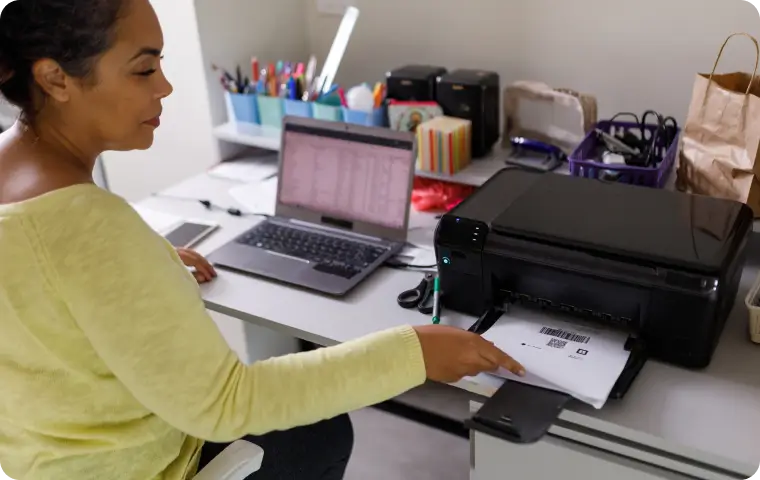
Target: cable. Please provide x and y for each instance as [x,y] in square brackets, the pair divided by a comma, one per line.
[401,265]
[650,145]
[209,205]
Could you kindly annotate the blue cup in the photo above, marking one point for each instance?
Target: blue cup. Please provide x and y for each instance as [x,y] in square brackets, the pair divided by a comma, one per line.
[245,107]
[297,108]
[376,118]
[271,111]
[327,112]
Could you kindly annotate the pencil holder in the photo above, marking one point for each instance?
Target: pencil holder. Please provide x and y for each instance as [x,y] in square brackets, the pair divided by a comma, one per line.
[297,108]
[242,107]
[322,111]
[376,118]
[271,111]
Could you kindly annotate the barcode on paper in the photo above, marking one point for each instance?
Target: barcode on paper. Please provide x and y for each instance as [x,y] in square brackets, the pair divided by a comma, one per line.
[555,343]
[573,337]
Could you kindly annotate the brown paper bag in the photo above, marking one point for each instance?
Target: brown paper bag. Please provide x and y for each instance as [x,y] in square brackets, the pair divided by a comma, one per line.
[565,137]
[720,141]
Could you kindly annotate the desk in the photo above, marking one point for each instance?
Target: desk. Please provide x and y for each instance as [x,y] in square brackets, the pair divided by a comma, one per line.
[690,424]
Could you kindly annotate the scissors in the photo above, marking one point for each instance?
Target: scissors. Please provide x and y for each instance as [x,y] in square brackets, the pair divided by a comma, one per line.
[420,297]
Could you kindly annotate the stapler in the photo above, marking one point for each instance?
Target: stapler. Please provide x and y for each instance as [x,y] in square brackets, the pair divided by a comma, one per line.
[535,155]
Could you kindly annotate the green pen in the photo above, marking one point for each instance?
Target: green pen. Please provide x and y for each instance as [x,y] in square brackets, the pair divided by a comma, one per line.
[436,301]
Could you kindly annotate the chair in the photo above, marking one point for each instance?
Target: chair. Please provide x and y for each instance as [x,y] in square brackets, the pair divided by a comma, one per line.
[236,462]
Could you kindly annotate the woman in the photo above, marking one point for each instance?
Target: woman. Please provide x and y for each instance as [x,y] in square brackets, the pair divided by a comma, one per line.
[110,367]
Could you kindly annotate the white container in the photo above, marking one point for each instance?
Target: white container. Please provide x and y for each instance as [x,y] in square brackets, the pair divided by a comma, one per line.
[754,311]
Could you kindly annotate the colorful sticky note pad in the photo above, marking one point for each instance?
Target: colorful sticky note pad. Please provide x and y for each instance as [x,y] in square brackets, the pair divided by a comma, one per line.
[444,145]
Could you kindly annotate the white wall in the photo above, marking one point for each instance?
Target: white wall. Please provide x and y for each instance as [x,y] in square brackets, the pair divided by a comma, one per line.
[632,54]
[233,31]
[183,145]
[198,33]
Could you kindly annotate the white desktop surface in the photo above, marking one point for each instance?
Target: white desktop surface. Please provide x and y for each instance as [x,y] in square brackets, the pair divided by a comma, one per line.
[710,416]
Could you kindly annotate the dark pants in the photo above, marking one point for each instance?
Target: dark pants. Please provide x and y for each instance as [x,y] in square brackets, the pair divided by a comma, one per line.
[315,452]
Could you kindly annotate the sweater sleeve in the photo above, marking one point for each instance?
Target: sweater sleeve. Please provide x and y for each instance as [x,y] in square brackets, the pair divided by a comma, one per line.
[142,311]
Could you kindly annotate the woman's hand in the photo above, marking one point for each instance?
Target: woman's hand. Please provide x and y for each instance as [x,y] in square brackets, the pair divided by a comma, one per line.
[451,354]
[202,269]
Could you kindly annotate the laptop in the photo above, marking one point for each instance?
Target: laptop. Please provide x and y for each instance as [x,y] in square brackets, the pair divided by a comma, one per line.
[343,195]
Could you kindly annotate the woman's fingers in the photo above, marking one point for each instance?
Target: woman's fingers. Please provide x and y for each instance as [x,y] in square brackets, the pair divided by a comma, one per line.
[204,271]
[499,359]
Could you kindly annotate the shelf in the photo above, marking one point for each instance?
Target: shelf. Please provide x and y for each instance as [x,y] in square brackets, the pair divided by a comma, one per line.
[249,134]
[476,174]
[269,138]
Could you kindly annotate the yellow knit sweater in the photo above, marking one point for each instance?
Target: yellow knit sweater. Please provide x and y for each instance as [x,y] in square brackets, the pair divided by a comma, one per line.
[110,367]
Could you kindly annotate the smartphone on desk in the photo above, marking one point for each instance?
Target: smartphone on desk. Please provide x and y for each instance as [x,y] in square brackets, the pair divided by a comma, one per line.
[189,234]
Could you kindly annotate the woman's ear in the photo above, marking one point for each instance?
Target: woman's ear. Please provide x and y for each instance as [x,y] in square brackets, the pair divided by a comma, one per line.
[52,79]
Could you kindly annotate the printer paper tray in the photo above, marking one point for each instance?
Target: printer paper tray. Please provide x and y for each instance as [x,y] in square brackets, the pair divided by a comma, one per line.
[521,413]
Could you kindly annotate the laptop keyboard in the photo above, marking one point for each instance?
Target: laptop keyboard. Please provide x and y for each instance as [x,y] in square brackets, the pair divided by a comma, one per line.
[335,256]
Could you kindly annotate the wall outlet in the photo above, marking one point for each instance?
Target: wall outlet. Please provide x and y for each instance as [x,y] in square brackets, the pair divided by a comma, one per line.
[334,7]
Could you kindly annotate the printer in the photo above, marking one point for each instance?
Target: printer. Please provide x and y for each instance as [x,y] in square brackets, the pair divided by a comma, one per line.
[662,265]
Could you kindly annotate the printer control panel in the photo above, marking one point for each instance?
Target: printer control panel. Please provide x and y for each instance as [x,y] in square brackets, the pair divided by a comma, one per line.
[459,249]
[459,239]
[463,232]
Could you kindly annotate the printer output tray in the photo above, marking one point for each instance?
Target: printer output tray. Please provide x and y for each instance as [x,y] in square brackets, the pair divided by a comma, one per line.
[522,414]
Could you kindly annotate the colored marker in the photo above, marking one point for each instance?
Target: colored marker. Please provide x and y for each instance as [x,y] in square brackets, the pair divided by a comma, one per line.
[342,96]
[255,71]
[436,301]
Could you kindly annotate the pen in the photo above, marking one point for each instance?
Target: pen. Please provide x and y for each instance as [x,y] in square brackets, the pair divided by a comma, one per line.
[376,94]
[342,96]
[224,72]
[292,92]
[223,82]
[436,301]
[330,92]
[311,70]
[239,78]
[255,69]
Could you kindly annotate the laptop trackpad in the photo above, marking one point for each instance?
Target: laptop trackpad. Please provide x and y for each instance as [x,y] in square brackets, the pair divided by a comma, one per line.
[278,265]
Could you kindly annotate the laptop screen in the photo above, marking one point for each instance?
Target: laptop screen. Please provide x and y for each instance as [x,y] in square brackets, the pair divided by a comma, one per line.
[347,176]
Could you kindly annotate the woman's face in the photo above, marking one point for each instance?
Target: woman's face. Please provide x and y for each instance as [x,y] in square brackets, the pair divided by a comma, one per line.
[122,105]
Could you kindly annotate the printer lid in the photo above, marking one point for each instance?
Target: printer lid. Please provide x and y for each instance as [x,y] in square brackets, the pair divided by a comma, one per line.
[651,225]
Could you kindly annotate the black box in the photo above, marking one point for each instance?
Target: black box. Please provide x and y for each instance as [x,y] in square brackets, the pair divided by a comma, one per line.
[473,95]
[413,83]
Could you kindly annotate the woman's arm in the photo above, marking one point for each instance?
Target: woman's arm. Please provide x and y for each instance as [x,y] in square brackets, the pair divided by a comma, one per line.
[142,312]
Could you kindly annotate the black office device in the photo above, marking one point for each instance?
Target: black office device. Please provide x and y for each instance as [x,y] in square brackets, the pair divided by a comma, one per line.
[663,265]
[473,95]
[413,83]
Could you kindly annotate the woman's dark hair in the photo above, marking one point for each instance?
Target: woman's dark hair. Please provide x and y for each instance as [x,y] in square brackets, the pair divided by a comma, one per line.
[74,33]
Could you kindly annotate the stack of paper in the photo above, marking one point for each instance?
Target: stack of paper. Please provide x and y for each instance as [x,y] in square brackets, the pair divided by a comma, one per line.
[418,256]
[258,197]
[160,222]
[581,360]
[254,168]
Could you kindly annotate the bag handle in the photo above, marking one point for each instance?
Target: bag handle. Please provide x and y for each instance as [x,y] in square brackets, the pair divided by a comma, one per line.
[720,54]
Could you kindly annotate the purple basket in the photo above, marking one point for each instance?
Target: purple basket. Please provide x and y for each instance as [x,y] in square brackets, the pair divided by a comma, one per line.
[583,164]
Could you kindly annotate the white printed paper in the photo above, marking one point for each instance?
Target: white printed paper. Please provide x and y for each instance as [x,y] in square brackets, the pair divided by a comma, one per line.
[246,170]
[576,358]
[418,256]
[162,223]
[258,197]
